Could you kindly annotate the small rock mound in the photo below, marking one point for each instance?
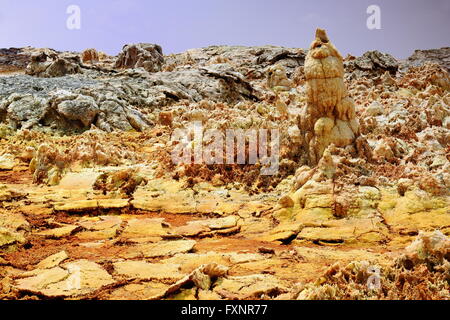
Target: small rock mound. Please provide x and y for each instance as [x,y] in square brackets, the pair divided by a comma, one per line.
[90,56]
[45,65]
[372,63]
[141,55]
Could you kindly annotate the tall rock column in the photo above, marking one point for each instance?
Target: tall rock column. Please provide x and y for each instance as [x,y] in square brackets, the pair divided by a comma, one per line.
[329,117]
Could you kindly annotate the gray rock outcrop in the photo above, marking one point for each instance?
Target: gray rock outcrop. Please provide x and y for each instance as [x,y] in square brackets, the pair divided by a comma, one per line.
[141,55]
[440,56]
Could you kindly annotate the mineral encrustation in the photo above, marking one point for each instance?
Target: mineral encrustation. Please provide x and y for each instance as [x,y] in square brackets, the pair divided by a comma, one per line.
[329,117]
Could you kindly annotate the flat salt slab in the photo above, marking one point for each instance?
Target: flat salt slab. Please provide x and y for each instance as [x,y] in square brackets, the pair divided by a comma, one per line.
[167,248]
[251,286]
[145,227]
[53,260]
[82,205]
[169,204]
[77,205]
[100,223]
[141,291]
[72,279]
[282,232]
[59,232]
[78,180]
[193,228]
[164,195]
[113,203]
[245,257]
[145,270]
[222,223]
[191,261]
[99,228]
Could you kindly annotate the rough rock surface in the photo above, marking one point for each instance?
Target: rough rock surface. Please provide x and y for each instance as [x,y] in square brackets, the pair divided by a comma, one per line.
[373,63]
[13,59]
[252,62]
[141,55]
[64,103]
[46,65]
[440,56]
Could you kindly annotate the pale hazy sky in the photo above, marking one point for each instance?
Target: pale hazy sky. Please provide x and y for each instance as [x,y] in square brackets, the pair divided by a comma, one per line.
[178,25]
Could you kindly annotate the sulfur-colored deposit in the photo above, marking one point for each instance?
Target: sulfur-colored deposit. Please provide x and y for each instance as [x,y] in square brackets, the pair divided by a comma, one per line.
[336,184]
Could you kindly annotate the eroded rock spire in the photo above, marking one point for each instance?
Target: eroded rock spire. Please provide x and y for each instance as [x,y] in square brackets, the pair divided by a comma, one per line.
[329,117]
